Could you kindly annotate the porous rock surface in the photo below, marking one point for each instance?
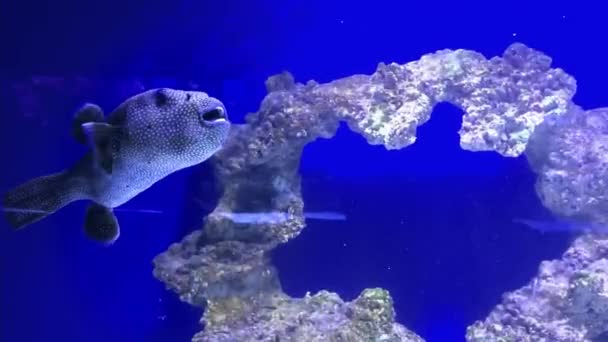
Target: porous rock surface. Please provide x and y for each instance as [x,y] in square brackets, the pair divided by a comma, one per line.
[316,318]
[570,155]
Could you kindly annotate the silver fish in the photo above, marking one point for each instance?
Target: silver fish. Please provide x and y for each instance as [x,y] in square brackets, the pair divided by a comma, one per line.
[275,217]
[564,225]
[146,138]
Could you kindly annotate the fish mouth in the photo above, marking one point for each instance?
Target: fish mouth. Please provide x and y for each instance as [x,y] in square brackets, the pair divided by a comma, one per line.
[214,115]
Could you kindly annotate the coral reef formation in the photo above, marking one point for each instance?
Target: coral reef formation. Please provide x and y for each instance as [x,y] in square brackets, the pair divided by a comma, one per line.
[226,266]
[503,98]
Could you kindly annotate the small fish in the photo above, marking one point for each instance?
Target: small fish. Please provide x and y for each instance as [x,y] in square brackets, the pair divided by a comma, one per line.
[140,211]
[146,138]
[33,211]
[275,217]
[325,215]
[566,225]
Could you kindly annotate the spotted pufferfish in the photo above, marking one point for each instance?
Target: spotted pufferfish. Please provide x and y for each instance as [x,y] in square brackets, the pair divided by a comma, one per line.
[146,138]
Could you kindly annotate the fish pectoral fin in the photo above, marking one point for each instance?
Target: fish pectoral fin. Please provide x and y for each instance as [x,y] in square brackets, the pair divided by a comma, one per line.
[101,224]
[87,113]
[99,135]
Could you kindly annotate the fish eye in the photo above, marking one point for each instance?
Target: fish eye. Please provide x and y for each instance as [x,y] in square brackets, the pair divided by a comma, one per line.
[188,96]
[160,97]
[214,114]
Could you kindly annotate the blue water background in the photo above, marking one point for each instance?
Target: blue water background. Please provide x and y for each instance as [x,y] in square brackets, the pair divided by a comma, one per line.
[430,223]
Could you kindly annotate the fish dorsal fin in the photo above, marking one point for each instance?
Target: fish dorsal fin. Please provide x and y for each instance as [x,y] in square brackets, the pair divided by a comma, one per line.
[100,136]
[87,113]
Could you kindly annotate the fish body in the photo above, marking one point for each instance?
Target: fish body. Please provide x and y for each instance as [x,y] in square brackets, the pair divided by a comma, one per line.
[146,138]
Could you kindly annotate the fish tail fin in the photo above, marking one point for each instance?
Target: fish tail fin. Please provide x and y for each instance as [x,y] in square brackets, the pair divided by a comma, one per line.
[38,198]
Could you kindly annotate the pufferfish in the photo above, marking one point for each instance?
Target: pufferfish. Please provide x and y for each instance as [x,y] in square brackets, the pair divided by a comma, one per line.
[146,138]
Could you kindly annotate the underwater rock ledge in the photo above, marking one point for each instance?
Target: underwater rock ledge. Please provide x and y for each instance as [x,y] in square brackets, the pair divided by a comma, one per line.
[322,317]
